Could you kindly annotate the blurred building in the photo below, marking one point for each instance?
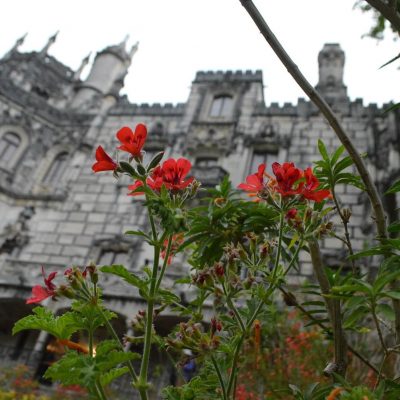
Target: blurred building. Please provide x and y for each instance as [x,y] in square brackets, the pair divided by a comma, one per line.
[55,212]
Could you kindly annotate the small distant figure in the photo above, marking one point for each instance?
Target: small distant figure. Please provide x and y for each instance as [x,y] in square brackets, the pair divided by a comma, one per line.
[189,368]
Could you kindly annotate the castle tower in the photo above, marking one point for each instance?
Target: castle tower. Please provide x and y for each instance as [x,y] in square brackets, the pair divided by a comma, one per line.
[331,66]
[108,67]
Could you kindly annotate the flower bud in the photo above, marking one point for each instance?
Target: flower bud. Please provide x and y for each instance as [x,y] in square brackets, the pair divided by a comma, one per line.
[346,213]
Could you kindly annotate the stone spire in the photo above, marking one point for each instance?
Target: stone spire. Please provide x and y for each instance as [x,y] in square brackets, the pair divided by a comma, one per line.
[133,50]
[18,43]
[331,67]
[49,43]
[84,62]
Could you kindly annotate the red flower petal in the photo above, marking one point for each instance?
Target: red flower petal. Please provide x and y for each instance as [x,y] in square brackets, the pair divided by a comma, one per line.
[39,294]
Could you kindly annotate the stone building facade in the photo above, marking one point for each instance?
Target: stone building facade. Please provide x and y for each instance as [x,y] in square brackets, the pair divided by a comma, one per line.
[55,212]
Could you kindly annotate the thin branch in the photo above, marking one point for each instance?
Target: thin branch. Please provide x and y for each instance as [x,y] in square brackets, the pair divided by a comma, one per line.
[333,306]
[327,330]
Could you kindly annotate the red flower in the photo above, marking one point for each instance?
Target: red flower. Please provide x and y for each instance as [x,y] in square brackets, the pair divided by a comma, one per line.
[103,161]
[39,293]
[286,176]
[132,142]
[254,183]
[171,174]
[310,190]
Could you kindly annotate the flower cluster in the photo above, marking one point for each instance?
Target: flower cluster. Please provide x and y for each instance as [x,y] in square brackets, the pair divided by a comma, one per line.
[172,174]
[288,181]
[76,286]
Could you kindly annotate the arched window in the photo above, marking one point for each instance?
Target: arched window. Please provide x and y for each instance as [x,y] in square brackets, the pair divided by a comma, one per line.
[221,106]
[57,168]
[9,144]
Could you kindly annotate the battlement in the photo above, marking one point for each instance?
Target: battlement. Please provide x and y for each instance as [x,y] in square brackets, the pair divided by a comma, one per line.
[170,109]
[212,76]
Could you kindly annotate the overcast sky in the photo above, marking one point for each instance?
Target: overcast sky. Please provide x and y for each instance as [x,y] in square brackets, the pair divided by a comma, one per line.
[179,37]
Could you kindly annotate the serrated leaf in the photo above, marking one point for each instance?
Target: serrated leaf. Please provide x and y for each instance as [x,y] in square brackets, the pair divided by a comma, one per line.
[42,319]
[115,373]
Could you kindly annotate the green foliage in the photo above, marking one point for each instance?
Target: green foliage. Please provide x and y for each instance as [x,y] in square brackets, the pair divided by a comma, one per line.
[42,319]
[201,387]
[380,23]
[78,369]
[128,277]
[226,219]
[331,169]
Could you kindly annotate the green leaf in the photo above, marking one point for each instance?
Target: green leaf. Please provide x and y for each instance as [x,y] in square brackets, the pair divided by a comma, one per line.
[337,154]
[393,295]
[342,164]
[323,151]
[155,161]
[390,61]
[391,108]
[386,310]
[394,188]
[129,277]
[394,227]
[42,319]
[354,316]
[126,167]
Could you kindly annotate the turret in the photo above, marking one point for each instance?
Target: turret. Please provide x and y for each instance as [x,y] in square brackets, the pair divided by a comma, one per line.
[331,66]
[108,67]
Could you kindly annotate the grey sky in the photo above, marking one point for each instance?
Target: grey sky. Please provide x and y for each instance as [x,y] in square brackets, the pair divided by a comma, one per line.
[179,37]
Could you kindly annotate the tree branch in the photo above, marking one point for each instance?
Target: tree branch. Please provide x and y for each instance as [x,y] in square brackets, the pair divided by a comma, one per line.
[333,306]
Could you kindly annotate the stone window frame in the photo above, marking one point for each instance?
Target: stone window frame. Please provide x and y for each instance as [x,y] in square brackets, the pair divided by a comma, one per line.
[20,150]
[222,114]
[47,163]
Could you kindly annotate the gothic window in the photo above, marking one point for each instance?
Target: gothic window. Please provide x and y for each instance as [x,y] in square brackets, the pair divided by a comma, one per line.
[260,157]
[57,169]
[9,144]
[221,106]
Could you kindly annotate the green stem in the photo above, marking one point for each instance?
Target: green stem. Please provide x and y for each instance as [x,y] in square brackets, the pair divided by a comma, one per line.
[165,263]
[142,382]
[234,363]
[100,391]
[278,254]
[221,380]
[233,308]
[116,338]
[293,260]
